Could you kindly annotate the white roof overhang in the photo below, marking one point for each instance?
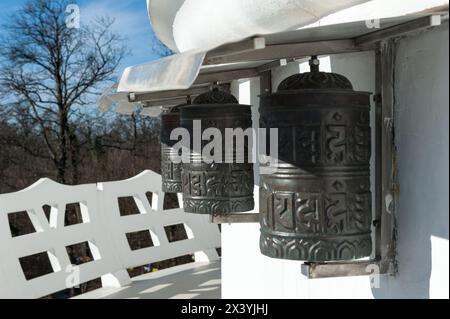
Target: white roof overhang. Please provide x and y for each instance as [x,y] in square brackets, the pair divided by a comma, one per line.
[168,81]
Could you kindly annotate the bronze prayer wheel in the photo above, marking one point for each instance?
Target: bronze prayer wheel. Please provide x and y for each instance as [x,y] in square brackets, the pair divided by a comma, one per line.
[317,205]
[216,187]
[170,171]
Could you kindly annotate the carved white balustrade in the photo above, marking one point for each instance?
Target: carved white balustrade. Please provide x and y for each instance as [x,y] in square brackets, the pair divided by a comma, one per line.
[103,228]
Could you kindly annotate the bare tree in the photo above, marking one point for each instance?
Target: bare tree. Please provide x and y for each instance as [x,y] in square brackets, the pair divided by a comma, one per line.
[49,71]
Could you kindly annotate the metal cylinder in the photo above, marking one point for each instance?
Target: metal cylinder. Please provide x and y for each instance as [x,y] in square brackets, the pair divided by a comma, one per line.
[317,205]
[216,187]
[170,171]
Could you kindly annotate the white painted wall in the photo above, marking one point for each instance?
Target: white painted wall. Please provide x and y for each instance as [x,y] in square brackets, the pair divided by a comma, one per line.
[422,138]
[422,99]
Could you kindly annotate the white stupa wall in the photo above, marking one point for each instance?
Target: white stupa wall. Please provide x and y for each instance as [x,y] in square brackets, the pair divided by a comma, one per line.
[421,126]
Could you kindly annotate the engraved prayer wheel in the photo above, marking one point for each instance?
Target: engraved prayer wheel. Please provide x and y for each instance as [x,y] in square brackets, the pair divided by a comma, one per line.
[317,205]
[170,171]
[217,186]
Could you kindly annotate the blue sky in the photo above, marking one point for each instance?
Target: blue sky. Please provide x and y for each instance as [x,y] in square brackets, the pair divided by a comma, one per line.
[131,22]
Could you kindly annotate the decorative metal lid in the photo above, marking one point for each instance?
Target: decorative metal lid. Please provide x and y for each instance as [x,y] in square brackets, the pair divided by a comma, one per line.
[215,96]
[315,80]
[176,109]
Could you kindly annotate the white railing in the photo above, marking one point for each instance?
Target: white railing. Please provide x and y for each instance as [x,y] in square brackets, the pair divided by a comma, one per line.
[103,228]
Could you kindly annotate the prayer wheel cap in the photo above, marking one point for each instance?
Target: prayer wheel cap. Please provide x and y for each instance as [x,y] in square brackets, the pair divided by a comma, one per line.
[315,80]
[215,96]
[315,205]
[213,186]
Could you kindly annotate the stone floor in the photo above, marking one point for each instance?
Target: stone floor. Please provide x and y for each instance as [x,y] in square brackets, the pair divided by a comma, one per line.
[190,281]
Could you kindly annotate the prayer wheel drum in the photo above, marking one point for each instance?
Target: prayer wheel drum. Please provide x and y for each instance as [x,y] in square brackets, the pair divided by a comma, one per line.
[317,205]
[170,171]
[216,187]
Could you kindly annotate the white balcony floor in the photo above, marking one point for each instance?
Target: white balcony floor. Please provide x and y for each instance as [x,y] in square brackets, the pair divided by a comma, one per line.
[190,281]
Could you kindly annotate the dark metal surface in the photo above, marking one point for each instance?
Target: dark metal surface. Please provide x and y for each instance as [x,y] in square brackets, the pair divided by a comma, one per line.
[215,96]
[216,188]
[170,171]
[317,206]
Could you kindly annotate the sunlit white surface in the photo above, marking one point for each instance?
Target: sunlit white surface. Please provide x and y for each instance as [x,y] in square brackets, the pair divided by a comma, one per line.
[174,16]
[174,72]
[203,24]
[190,281]
[378,9]
[207,24]
[162,14]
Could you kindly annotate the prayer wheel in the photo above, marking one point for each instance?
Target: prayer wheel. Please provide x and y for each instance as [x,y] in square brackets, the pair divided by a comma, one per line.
[316,205]
[170,171]
[224,183]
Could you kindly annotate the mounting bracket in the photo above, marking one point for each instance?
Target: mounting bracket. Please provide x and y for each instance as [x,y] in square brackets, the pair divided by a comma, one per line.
[386,184]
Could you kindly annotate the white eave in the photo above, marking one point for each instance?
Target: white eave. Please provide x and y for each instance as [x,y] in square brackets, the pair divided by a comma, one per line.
[162,14]
[168,81]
